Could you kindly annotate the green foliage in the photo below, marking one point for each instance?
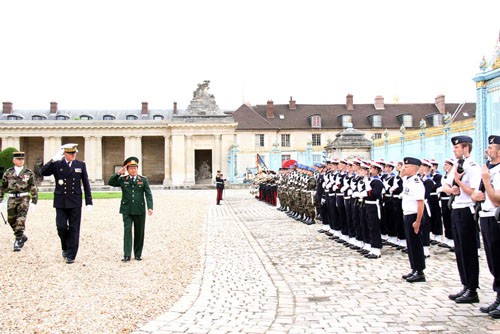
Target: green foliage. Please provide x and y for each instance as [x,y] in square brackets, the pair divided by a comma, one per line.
[6,157]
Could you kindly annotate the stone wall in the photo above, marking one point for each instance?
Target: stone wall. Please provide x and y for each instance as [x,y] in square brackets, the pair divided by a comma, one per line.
[112,155]
[153,159]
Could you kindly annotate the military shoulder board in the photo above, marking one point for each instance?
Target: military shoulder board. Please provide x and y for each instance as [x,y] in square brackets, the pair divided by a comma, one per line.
[416,179]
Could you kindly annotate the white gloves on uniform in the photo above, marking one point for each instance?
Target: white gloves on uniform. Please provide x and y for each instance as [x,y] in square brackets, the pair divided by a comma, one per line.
[58,156]
[32,207]
[89,208]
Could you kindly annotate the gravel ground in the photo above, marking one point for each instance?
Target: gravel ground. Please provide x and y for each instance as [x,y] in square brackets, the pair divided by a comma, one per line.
[40,293]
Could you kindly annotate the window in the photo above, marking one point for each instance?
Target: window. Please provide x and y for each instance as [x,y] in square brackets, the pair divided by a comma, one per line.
[377,135]
[14,118]
[316,158]
[376,121]
[285,157]
[85,117]
[259,140]
[158,117]
[61,117]
[316,139]
[108,117]
[346,121]
[37,117]
[315,121]
[131,117]
[285,140]
[437,119]
[407,121]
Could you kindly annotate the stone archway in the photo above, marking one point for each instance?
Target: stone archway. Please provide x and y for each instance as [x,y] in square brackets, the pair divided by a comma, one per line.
[203,166]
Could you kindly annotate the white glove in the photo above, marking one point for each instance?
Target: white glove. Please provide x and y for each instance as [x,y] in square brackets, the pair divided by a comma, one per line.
[58,156]
[32,207]
[89,208]
[323,201]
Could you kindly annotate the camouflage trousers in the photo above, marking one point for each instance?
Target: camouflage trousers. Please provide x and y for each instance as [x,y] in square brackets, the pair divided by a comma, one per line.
[17,210]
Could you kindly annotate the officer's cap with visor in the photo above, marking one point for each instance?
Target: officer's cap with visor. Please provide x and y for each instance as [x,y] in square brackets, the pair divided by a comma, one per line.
[69,148]
[494,139]
[131,162]
[461,139]
[18,155]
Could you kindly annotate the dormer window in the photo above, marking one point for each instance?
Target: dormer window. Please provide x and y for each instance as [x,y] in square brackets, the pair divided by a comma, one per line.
[407,120]
[108,117]
[315,121]
[86,117]
[346,121]
[62,117]
[376,121]
[158,117]
[131,117]
[37,117]
[14,118]
[435,119]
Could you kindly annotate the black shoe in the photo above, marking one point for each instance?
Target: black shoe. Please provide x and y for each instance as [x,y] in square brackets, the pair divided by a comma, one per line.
[495,314]
[17,248]
[126,259]
[417,277]
[372,256]
[409,274]
[328,233]
[491,307]
[70,261]
[64,254]
[138,258]
[458,294]
[470,296]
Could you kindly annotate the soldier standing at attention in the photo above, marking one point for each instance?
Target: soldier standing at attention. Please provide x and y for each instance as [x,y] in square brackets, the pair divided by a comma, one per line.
[136,194]
[18,182]
[70,174]
[465,229]
[413,211]
[219,184]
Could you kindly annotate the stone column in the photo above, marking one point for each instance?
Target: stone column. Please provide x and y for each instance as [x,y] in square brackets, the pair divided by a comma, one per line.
[98,159]
[138,152]
[133,147]
[50,146]
[189,160]
[89,157]
[217,163]
[11,141]
[167,178]
[177,165]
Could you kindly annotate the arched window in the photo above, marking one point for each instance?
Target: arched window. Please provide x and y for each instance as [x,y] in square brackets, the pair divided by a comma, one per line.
[108,117]
[131,117]
[86,117]
[61,117]
[158,117]
[14,118]
[37,118]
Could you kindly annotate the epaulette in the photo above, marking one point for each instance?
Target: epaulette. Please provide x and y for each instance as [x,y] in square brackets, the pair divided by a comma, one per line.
[416,179]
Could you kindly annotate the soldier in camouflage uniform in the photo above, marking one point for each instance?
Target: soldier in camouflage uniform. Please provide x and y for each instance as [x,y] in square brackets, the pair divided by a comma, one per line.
[18,183]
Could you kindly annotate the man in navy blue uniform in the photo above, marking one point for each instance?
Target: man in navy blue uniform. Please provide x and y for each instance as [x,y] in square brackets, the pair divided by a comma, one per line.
[69,174]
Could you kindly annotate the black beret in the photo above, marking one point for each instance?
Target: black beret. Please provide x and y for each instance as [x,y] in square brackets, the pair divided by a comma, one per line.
[461,139]
[412,161]
[494,139]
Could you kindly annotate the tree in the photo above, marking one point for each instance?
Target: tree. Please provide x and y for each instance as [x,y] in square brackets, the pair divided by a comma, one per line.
[6,157]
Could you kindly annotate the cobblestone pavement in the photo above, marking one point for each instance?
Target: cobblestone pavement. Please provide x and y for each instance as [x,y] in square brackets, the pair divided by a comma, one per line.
[267,273]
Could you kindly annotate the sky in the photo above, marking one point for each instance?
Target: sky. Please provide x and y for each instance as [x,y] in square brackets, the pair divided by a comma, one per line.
[116,54]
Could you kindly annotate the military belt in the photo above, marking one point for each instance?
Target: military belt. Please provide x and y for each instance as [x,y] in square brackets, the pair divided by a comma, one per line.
[17,195]
[486,214]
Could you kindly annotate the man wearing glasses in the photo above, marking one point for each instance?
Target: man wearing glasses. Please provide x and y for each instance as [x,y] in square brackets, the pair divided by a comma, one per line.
[69,174]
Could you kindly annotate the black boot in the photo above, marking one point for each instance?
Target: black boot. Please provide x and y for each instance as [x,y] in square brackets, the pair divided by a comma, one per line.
[470,296]
[491,307]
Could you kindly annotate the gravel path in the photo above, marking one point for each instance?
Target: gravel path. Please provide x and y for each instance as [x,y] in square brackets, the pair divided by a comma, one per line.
[40,293]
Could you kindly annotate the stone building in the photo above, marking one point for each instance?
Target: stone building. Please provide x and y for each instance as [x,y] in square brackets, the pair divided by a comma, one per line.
[185,147]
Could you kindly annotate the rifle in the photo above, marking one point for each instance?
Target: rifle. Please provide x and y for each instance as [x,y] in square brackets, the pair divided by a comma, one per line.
[3,218]
[460,170]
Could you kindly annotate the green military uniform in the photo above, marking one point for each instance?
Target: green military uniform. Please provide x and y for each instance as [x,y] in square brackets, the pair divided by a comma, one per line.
[18,187]
[136,195]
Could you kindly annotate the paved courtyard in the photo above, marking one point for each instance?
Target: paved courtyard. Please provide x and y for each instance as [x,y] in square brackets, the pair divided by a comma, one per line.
[264,272]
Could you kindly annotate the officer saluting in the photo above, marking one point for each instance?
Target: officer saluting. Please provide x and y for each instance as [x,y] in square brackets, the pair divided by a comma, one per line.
[413,211]
[136,194]
[18,182]
[70,174]
[490,196]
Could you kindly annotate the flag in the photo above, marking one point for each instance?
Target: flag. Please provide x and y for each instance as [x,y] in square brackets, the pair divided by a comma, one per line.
[260,163]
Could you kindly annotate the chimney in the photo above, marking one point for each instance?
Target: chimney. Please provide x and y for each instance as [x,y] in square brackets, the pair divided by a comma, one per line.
[7,107]
[291,104]
[349,102]
[144,110]
[440,104]
[53,107]
[175,108]
[269,113]
[379,102]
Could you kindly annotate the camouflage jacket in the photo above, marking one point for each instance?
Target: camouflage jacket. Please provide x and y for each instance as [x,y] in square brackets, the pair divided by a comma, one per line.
[25,182]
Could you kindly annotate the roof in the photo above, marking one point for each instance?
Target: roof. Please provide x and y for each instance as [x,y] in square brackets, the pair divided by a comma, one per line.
[254,117]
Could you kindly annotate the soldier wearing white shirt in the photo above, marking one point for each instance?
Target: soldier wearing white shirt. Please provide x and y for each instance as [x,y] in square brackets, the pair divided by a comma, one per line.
[489,194]
[413,211]
[465,228]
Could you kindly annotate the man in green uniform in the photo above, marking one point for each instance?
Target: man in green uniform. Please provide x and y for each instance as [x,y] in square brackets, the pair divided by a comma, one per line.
[18,182]
[136,194]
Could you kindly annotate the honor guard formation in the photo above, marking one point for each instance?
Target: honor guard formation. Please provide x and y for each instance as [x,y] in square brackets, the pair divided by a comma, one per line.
[408,204]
